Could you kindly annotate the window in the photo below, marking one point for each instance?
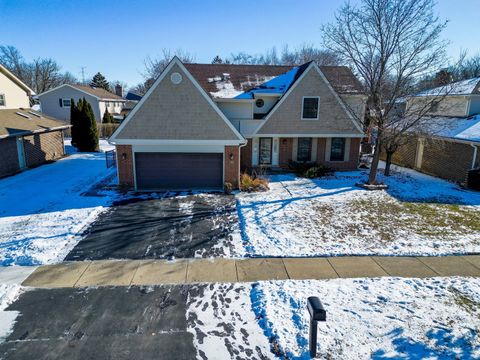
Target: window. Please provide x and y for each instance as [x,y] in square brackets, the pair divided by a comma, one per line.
[310,108]
[66,103]
[259,103]
[337,150]
[265,153]
[304,149]
[2,99]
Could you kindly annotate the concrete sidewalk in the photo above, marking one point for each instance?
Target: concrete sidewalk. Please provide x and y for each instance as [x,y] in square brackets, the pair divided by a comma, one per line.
[156,272]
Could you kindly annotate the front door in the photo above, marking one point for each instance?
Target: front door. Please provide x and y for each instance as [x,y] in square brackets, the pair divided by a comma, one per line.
[265,153]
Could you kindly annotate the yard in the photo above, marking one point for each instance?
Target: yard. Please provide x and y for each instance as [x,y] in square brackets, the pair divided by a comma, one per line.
[417,215]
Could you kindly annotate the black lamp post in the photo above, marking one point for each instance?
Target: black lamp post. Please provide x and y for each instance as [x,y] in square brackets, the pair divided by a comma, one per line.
[317,313]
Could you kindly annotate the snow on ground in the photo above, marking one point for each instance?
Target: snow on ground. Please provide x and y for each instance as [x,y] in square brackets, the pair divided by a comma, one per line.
[417,215]
[8,294]
[380,318]
[42,209]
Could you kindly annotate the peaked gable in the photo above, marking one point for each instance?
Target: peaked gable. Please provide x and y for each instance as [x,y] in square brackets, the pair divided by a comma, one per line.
[286,116]
[181,111]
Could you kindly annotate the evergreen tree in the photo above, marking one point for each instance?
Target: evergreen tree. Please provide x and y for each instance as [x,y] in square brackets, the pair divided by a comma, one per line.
[107,117]
[100,81]
[87,132]
[217,60]
[73,122]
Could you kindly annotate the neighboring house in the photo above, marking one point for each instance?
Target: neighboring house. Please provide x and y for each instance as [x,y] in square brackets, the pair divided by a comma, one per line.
[449,142]
[200,124]
[56,102]
[27,138]
[132,99]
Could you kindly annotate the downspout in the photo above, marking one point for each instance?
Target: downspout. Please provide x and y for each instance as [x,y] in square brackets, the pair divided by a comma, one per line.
[474,160]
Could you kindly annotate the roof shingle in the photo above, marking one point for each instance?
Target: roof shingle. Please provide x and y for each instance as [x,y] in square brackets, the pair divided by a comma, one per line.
[12,123]
[246,77]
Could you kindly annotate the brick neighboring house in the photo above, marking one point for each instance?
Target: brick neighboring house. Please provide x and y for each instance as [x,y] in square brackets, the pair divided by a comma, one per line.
[448,145]
[27,138]
[200,124]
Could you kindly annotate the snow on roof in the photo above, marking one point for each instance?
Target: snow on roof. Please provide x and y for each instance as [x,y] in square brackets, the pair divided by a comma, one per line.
[225,89]
[277,85]
[466,129]
[465,87]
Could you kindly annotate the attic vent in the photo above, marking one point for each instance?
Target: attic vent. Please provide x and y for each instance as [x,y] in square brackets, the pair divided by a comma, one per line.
[22,114]
[35,114]
[176,78]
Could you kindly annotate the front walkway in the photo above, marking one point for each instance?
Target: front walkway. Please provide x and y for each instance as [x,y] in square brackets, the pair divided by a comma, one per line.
[156,272]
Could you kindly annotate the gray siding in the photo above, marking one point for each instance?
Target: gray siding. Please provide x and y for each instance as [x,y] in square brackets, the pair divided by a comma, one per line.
[51,107]
[333,118]
[176,112]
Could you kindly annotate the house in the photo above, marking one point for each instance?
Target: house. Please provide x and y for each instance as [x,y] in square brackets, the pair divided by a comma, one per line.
[27,138]
[56,102]
[448,144]
[199,125]
[132,99]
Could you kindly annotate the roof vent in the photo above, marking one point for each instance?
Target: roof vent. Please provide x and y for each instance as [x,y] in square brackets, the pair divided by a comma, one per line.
[176,78]
[35,114]
[23,115]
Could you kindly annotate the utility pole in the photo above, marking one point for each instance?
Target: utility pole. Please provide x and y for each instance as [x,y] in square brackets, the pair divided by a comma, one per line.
[83,74]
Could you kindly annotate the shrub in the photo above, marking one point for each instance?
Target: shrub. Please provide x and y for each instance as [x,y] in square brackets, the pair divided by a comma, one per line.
[317,171]
[251,184]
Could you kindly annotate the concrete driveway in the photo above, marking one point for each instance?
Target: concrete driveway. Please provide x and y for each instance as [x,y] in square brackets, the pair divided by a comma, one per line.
[177,226]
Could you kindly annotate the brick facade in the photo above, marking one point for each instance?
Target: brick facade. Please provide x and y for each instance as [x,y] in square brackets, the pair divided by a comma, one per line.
[232,165]
[41,148]
[447,160]
[285,152]
[441,158]
[353,156]
[125,165]
[9,158]
[246,155]
[38,149]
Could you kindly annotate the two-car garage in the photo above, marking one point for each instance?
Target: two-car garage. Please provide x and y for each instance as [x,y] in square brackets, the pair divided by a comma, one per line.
[178,171]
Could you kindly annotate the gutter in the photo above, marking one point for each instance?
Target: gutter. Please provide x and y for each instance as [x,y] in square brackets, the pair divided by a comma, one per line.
[474,159]
[33,132]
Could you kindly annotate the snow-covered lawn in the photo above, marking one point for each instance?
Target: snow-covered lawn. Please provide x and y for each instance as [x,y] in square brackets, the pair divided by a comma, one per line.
[42,209]
[417,215]
[385,318]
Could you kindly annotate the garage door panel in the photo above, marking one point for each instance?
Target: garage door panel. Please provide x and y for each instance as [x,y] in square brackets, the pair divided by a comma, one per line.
[178,170]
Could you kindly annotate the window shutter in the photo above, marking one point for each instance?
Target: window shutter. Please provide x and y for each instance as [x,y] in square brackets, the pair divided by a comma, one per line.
[60,101]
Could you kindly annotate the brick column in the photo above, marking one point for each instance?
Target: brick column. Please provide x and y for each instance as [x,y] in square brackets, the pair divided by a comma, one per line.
[125,165]
[232,165]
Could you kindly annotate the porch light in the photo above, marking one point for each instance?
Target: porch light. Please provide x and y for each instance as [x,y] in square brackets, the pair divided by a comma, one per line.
[231,156]
[124,156]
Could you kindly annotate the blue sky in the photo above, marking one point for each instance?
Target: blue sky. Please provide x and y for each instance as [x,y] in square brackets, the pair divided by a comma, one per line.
[114,37]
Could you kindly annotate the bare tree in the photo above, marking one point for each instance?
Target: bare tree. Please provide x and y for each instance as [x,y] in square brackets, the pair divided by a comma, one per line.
[390,44]
[40,75]
[155,66]
[304,53]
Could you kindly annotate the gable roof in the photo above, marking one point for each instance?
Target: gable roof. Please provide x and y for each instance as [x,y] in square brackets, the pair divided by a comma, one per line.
[15,122]
[464,87]
[16,80]
[230,80]
[175,63]
[308,67]
[99,93]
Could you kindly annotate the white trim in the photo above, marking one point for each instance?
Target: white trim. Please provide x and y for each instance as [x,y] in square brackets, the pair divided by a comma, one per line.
[318,107]
[234,100]
[419,153]
[299,80]
[266,94]
[311,135]
[22,161]
[474,159]
[176,61]
[180,148]
[174,142]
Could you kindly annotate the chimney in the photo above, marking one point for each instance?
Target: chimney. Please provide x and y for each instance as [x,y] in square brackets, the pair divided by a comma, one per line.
[119,90]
